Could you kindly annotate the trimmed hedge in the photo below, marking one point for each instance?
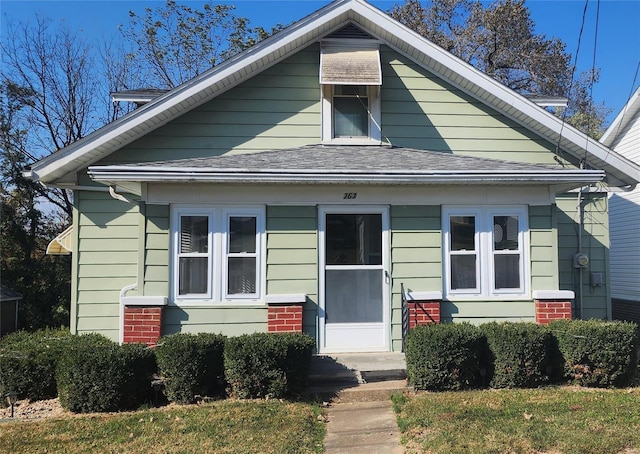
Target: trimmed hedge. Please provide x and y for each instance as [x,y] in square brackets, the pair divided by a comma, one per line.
[191,365]
[28,363]
[298,361]
[95,375]
[445,356]
[598,353]
[519,354]
[267,364]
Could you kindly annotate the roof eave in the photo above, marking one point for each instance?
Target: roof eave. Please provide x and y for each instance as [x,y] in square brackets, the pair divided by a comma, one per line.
[628,112]
[573,178]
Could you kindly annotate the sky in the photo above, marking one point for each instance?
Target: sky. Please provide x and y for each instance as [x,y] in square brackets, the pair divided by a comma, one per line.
[617,47]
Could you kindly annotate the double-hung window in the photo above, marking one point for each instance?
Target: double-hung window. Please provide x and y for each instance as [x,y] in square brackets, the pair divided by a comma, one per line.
[486,252]
[218,254]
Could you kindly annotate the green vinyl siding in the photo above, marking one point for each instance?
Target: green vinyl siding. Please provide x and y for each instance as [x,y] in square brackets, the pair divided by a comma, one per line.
[594,302]
[543,248]
[292,257]
[419,110]
[477,312]
[156,256]
[228,320]
[106,260]
[416,258]
[279,108]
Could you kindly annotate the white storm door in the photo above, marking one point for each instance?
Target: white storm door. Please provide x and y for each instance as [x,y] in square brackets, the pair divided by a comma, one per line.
[354,300]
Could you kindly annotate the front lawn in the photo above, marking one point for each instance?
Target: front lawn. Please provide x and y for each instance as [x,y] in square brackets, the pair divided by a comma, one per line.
[545,420]
[220,427]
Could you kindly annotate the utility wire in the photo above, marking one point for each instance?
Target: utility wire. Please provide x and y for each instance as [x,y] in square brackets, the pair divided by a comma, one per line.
[593,69]
[573,70]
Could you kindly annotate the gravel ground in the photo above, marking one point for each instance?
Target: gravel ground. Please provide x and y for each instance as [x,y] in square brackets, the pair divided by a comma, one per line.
[35,410]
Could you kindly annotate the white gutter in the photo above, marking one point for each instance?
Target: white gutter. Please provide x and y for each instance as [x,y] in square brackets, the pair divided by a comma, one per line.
[113,174]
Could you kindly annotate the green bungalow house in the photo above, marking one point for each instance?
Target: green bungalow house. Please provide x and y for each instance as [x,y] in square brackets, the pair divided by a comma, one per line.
[345,177]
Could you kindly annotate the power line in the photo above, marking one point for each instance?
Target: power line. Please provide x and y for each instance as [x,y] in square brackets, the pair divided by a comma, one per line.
[573,70]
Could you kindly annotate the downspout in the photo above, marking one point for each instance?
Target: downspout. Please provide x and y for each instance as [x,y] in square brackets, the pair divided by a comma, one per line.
[580,275]
[126,288]
[580,209]
[123,293]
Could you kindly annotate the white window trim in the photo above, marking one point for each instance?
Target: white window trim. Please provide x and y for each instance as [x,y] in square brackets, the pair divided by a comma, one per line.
[485,289]
[217,273]
[375,133]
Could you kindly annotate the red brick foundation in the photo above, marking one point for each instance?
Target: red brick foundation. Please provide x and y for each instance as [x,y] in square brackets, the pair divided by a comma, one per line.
[284,318]
[142,324]
[423,313]
[549,310]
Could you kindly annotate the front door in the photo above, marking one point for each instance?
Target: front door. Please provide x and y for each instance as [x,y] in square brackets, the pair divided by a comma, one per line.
[354,301]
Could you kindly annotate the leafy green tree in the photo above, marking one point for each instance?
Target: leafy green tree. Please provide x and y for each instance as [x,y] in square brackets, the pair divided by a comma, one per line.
[174,43]
[26,226]
[499,39]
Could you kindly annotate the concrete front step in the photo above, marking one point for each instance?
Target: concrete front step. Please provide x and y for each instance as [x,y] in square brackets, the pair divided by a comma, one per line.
[357,368]
[361,377]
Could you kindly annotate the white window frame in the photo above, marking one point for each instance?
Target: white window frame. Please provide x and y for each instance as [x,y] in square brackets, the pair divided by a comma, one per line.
[484,250]
[218,247]
[375,134]
[242,212]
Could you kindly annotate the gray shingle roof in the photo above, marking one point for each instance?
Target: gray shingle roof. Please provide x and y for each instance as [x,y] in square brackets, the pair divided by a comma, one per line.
[343,158]
[323,164]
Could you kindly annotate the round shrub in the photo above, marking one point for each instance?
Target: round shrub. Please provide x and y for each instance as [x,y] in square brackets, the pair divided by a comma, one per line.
[519,354]
[267,364]
[298,359]
[253,366]
[191,365]
[96,375]
[445,356]
[597,353]
[28,363]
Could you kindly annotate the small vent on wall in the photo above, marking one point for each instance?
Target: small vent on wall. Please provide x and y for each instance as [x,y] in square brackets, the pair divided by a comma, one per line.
[350,32]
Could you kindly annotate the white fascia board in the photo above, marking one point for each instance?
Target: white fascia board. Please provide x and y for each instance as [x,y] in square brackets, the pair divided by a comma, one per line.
[114,174]
[168,106]
[629,111]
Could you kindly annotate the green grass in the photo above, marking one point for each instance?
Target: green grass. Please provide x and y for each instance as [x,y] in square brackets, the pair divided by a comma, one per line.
[221,427]
[547,420]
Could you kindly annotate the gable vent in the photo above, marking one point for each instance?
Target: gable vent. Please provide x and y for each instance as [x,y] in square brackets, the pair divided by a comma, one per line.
[350,32]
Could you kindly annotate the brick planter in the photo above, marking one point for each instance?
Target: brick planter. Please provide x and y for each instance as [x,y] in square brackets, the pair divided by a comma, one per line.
[142,319]
[552,305]
[423,313]
[142,324]
[284,314]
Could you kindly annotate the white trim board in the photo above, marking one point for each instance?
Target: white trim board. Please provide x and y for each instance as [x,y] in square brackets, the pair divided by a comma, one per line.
[337,194]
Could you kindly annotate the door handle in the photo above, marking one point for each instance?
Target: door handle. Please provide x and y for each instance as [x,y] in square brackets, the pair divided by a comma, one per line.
[387,277]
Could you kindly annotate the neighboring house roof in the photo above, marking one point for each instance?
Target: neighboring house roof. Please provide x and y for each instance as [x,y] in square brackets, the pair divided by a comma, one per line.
[60,167]
[6,294]
[630,111]
[352,164]
[61,244]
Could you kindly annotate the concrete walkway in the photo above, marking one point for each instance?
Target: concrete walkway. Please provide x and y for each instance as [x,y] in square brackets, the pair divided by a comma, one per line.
[359,388]
[362,427]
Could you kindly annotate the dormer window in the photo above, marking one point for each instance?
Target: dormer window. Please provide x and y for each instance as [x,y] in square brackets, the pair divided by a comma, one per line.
[350,74]
[350,111]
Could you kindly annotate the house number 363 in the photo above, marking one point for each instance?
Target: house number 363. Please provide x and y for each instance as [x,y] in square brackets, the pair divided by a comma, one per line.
[350,195]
